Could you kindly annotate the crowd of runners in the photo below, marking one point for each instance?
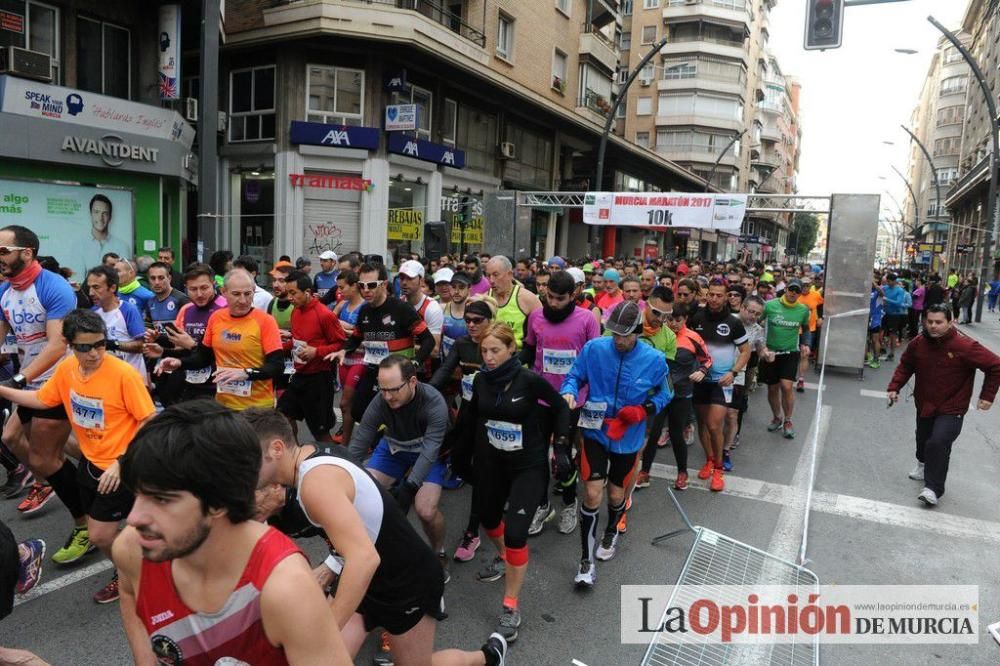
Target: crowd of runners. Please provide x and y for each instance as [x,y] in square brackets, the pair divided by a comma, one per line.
[165,410]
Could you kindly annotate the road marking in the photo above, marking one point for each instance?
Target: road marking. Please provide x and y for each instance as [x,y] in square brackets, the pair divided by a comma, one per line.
[63,581]
[849,506]
[874,394]
[813,387]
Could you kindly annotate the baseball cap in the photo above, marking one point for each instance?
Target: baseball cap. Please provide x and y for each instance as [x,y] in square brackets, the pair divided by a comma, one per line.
[794,284]
[588,268]
[612,274]
[460,277]
[558,261]
[624,319]
[281,264]
[303,261]
[412,268]
[577,274]
[444,275]
[328,254]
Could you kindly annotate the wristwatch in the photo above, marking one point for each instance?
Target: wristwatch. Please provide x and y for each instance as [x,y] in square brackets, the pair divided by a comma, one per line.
[250,372]
[20,380]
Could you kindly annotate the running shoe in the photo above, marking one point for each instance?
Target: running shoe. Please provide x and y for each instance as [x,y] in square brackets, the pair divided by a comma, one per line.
[38,496]
[109,592]
[800,385]
[706,470]
[928,497]
[736,441]
[77,545]
[495,570]
[787,431]
[689,435]
[664,438]
[543,514]
[31,553]
[868,357]
[623,521]
[681,483]
[495,650]
[774,425]
[918,472]
[587,575]
[718,483]
[642,481]
[466,550]
[384,656]
[874,364]
[569,517]
[727,462]
[510,622]
[443,559]
[17,481]
[608,546]
[338,437]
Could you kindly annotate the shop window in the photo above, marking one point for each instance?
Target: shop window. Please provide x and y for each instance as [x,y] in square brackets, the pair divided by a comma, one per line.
[251,104]
[335,95]
[407,213]
[256,216]
[103,58]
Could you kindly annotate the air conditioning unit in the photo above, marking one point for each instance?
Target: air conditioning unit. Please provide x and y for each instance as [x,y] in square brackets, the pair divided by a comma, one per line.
[29,64]
[645,82]
[223,121]
[191,109]
[507,150]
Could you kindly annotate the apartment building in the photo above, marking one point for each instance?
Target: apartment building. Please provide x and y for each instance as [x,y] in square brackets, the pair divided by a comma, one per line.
[512,95]
[967,198]
[937,122]
[703,103]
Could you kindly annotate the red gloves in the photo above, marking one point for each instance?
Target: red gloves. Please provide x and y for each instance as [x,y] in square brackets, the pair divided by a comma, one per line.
[625,417]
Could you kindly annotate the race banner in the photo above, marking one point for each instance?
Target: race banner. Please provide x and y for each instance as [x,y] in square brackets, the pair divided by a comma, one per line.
[663,210]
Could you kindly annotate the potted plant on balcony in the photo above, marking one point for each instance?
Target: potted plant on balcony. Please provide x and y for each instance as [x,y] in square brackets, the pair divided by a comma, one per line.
[603,104]
[559,85]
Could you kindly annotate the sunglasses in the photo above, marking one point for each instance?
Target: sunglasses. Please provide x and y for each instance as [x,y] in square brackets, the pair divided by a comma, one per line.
[85,347]
[371,285]
[660,314]
[475,320]
[7,249]
[397,389]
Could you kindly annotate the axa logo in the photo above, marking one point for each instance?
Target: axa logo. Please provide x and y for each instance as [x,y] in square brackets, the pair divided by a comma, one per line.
[337,138]
[230,336]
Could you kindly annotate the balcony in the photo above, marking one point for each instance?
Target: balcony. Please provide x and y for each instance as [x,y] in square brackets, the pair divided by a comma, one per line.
[770,160]
[594,106]
[699,120]
[770,132]
[716,47]
[687,153]
[595,48]
[604,12]
[734,13]
[706,82]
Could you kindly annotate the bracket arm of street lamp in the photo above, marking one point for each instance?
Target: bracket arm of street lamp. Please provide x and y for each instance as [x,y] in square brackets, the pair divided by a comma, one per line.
[930,162]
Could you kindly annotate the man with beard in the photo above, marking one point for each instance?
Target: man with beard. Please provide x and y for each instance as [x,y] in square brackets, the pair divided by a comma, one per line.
[411,277]
[480,285]
[166,301]
[554,336]
[514,303]
[192,559]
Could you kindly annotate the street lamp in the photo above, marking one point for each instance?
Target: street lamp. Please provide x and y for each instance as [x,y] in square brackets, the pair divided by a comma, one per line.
[906,51]
[937,183]
[991,199]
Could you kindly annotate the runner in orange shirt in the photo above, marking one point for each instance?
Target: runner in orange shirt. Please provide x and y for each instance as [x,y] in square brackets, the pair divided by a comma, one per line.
[107,403]
[246,346]
[812,298]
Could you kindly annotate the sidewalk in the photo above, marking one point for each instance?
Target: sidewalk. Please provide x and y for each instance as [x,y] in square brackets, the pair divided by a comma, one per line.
[986,332]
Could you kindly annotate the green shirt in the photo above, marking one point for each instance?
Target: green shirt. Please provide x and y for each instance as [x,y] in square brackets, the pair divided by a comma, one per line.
[663,341]
[784,324]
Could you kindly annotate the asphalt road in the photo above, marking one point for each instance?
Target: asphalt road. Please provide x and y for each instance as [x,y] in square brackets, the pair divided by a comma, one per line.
[866,528]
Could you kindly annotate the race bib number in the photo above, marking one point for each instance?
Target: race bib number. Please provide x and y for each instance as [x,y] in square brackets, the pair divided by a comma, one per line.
[558,361]
[289,366]
[446,345]
[375,351]
[9,344]
[87,412]
[239,388]
[198,376]
[467,386]
[504,436]
[592,415]
[740,379]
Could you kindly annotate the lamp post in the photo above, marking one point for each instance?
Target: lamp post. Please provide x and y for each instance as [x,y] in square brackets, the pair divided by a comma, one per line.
[602,148]
[913,195]
[711,174]
[992,229]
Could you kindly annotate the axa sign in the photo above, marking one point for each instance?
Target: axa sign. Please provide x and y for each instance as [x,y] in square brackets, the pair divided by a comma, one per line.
[111,148]
[427,151]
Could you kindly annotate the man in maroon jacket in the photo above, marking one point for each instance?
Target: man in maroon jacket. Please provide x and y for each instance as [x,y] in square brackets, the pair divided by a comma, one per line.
[316,332]
[944,362]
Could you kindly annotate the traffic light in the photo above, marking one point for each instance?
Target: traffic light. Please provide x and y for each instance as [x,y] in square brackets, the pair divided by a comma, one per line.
[824,24]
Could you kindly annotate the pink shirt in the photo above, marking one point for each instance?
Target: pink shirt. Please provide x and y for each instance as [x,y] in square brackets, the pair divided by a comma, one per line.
[557,345]
[480,287]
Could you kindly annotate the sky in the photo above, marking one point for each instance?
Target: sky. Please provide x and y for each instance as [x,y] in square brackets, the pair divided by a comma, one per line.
[856,97]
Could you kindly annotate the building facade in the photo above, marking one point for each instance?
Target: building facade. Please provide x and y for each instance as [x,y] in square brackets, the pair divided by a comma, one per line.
[967,198]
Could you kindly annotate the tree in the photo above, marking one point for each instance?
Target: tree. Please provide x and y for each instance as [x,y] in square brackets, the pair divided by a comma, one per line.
[805,229]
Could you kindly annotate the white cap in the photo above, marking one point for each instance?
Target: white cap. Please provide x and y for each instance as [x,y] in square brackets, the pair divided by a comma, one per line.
[412,268]
[577,274]
[444,275]
[328,254]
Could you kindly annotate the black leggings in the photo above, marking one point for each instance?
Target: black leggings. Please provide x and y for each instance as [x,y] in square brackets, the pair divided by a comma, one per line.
[508,482]
[676,414]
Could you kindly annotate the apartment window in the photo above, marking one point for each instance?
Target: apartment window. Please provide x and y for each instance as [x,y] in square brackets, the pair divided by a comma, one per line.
[709,68]
[648,72]
[946,175]
[649,34]
[683,70]
[642,139]
[477,136]
[251,104]
[644,107]
[42,33]
[505,37]
[690,140]
[449,122]
[103,57]
[625,41]
[564,6]
[954,84]
[559,70]
[424,99]
[701,105]
[950,115]
[626,7]
[622,74]
[650,4]
[951,54]
[335,95]
[620,113]
[947,146]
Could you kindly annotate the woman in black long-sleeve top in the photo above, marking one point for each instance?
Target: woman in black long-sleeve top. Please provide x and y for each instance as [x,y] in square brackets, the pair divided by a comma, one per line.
[512,458]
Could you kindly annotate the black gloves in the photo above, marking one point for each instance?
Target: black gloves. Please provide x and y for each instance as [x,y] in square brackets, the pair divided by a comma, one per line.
[404,494]
[562,461]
